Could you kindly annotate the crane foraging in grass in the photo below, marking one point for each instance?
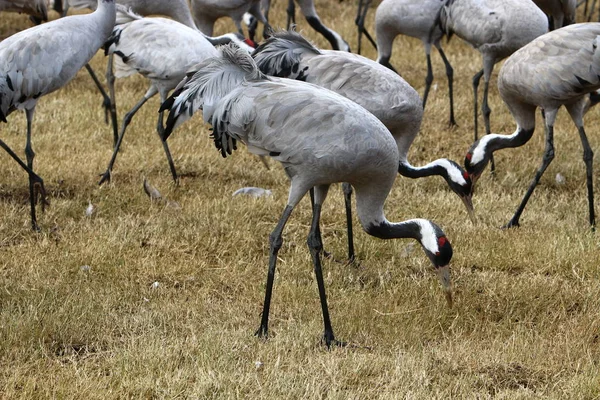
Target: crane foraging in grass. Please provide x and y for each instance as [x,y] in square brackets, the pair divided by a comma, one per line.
[418,20]
[496,28]
[380,91]
[556,69]
[42,59]
[319,137]
[161,50]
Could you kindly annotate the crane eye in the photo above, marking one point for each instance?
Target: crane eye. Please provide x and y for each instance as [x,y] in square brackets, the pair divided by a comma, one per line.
[469,156]
[465,175]
[442,241]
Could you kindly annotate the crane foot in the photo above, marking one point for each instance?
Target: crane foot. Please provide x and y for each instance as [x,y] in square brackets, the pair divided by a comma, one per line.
[105,177]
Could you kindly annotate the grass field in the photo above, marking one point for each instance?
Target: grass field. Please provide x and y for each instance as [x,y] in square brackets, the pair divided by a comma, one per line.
[81,315]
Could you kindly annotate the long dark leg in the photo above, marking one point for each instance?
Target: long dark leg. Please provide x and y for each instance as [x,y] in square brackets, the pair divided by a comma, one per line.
[315,246]
[588,159]
[126,120]
[429,77]
[38,183]
[476,79]
[161,129]
[488,67]
[275,242]
[347,188]
[110,80]
[363,8]
[546,160]
[291,14]
[106,100]
[30,154]
[450,75]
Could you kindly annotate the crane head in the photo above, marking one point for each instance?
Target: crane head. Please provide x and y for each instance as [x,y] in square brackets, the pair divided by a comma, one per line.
[439,251]
[460,182]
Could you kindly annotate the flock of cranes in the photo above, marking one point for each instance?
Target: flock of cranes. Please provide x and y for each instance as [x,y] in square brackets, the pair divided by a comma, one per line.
[326,115]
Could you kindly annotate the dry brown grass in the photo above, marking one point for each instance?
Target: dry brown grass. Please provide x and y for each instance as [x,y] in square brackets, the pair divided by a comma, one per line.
[526,322]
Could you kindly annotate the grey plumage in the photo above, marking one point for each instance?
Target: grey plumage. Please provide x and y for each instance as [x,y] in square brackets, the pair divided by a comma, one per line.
[162,51]
[495,28]
[44,58]
[319,137]
[380,91]
[418,20]
[206,12]
[556,69]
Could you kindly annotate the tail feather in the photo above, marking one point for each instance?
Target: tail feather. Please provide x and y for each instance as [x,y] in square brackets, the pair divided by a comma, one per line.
[212,80]
[280,54]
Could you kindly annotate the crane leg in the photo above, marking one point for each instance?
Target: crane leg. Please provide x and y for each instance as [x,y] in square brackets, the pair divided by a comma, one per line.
[110,80]
[361,15]
[106,100]
[588,159]
[428,78]
[160,128]
[105,177]
[315,246]
[488,67]
[275,243]
[291,14]
[30,154]
[546,160]
[347,188]
[38,183]
[450,76]
[476,79]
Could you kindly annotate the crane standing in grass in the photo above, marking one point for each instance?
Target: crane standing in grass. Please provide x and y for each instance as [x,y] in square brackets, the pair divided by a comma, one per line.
[206,12]
[161,50]
[418,20]
[496,28]
[556,69]
[380,91]
[42,59]
[320,138]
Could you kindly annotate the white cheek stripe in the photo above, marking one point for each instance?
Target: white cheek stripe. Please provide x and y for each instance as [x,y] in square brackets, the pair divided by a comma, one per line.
[454,173]
[428,236]
[479,151]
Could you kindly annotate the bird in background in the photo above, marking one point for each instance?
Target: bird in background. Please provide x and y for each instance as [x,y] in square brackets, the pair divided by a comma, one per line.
[495,28]
[556,69]
[319,137]
[36,9]
[42,59]
[560,12]
[307,7]
[418,20]
[207,12]
[380,91]
[161,50]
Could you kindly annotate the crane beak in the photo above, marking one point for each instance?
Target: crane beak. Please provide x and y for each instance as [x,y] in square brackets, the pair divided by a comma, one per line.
[468,201]
[444,275]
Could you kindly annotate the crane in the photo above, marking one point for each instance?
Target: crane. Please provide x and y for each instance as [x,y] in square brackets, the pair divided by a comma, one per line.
[206,12]
[418,20]
[42,59]
[161,50]
[559,68]
[320,138]
[495,28]
[380,91]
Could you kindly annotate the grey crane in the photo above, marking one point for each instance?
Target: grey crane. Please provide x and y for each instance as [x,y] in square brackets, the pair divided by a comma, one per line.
[178,10]
[161,50]
[42,59]
[206,12]
[495,28]
[307,7]
[320,138]
[560,12]
[556,69]
[418,20]
[36,9]
[380,91]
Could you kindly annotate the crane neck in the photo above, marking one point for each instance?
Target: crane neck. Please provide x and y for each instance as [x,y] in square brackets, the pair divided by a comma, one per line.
[493,142]
[452,173]
[391,230]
